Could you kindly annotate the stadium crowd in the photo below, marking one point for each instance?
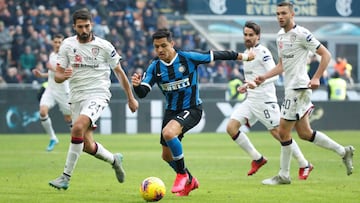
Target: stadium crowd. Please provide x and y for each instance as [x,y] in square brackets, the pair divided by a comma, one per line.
[26,28]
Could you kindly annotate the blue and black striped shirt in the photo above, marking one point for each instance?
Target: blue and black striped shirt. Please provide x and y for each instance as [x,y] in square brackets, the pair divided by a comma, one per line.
[178,80]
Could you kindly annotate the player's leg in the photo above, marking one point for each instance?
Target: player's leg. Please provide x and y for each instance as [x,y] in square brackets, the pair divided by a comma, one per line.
[81,125]
[46,103]
[241,139]
[305,132]
[170,133]
[305,167]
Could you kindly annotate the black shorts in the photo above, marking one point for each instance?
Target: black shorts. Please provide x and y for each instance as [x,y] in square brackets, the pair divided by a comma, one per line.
[188,118]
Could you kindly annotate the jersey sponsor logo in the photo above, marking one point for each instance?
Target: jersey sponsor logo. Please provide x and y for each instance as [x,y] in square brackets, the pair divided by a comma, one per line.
[175,85]
[288,56]
[81,65]
[78,58]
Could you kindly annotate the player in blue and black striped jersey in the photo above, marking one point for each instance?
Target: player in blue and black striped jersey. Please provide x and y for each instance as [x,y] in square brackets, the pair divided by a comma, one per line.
[175,73]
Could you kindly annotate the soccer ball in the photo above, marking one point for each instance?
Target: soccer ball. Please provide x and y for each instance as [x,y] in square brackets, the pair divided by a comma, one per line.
[152,189]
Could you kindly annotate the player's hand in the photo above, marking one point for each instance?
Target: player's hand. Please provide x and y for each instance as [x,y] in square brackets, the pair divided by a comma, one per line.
[251,55]
[259,79]
[251,84]
[68,72]
[133,104]
[37,73]
[314,83]
[136,79]
[243,88]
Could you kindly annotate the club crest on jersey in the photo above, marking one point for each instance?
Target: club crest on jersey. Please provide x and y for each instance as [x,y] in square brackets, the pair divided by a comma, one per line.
[292,38]
[181,69]
[78,58]
[95,51]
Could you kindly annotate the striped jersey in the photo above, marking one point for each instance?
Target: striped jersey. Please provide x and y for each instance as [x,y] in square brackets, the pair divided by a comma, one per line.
[178,80]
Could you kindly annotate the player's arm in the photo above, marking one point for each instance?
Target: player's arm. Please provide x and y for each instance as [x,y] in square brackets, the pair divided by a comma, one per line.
[140,90]
[232,55]
[39,74]
[62,74]
[324,62]
[121,76]
[278,69]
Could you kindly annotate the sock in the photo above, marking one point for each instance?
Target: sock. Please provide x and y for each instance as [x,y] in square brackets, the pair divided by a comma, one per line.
[172,164]
[177,153]
[285,158]
[326,142]
[190,176]
[243,141]
[75,149]
[298,155]
[103,154]
[47,125]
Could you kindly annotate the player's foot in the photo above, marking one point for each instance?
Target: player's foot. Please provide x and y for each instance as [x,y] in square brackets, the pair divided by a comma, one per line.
[348,159]
[276,180]
[256,165]
[189,187]
[305,172]
[52,144]
[180,182]
[61,182]
[117,166]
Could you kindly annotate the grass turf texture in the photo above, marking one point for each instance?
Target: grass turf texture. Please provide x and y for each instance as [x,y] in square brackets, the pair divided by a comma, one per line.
[218,163]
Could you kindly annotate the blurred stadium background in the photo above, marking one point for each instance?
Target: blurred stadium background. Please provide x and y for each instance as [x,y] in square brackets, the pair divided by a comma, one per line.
[26,27]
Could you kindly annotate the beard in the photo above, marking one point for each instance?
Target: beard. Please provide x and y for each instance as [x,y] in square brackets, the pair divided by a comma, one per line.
[84,37]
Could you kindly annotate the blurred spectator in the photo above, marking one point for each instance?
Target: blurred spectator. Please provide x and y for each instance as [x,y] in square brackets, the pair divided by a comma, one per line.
[12,75]
[5,37]
[27,63]
[5,46]
[149,19]
[337,87]
[204,73]
[34,42]
[17,50]
[348,70]
[102,29]
[312,68]
[340,66]
[55,26]
[220,75]
[102,9]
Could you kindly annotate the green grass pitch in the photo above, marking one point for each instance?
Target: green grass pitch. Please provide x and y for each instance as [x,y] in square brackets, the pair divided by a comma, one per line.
[218,163]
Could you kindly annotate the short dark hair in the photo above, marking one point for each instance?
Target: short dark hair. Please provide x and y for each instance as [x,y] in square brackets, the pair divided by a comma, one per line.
[252,25]
[161,33]
[288,4]
[82,14]
[55,36]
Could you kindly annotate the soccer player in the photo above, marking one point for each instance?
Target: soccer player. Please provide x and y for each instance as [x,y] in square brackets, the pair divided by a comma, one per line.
[86,61]
[175,73]
[260,104]
[55,93]
[294,44]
